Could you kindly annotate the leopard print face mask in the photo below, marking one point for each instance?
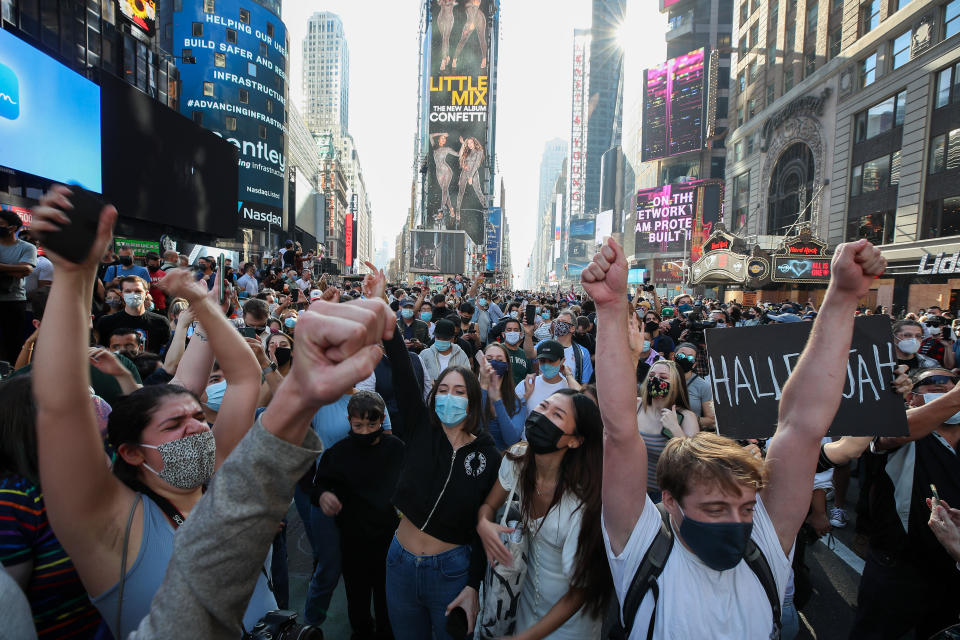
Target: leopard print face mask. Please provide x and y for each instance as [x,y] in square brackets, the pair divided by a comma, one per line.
[187,462]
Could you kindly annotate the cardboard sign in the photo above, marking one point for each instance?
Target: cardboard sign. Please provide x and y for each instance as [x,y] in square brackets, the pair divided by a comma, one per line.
[749,367]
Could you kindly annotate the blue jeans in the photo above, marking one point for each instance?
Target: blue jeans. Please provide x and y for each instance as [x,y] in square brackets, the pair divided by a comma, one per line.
[279,569]
[302,501]
[326,573]
[789,620]
[419,588]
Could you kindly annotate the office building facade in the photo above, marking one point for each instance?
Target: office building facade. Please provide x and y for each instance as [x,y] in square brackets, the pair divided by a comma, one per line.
[326,75]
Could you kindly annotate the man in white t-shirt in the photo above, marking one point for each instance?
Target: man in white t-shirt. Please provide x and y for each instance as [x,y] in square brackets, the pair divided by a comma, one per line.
[554,375]
[717,495]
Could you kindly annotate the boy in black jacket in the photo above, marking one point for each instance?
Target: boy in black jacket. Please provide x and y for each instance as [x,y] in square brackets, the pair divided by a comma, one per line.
[355,481]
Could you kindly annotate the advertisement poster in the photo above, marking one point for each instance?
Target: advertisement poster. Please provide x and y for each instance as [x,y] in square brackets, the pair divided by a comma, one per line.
[458,126]
[236,88]
[673,107]
[494,234]
[677,218]
[440,252]
[576,183]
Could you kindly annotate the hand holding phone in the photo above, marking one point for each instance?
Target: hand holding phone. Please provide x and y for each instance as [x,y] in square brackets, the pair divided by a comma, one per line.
[67,220]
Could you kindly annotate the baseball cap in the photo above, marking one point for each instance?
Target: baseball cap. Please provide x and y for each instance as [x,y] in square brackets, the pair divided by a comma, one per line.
[316,294]
[406,302]
[666,312]
[549,350]
[784,317]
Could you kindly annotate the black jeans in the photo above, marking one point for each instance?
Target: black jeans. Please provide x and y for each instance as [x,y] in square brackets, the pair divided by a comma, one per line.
[13,320]
[364,566]
[896,597]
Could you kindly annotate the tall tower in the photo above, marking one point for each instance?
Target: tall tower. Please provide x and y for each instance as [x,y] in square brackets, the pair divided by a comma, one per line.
[606,66]
[326,75]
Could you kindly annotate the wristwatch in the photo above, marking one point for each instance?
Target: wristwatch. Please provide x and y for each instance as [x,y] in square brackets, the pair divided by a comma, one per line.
[271,367]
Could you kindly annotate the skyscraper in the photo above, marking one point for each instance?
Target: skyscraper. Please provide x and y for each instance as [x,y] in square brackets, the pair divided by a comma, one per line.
[326,75]
[551,165]
[606,65]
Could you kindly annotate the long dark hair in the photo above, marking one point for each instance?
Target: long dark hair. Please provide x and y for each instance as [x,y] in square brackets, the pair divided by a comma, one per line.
[508,391]
[130,416]
[18,429]
[474,423]
[581,473]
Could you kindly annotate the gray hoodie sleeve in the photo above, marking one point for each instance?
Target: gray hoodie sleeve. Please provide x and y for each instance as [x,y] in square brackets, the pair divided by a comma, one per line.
[218,552]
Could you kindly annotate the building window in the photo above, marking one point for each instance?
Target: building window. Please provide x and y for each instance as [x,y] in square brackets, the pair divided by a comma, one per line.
[244,16]
[750,139]
[743,45]
[741,189]
[771,94]
[810,64]
[791,44]
[834,41]
[269,105]
[219,59]
[875,227]
[208,88]
[774,13]
[771,48]
[232,36]
[899,4]
[754,34]
[754,5]
[869,16]
[742,81]
[856,180]
[263,48]
[744,12]
[754,70]
[948,87]
[752,107]
[197,29]
[739,116]
[876,174]
[208,6]
[901,50]
[868,70]
[945,152]
[270,29]
[251,69]
[198,117]
[791,187]
[942,218]
[951,18]
[231,123]
[812,10]
[881,117]
[787,80]
[836,5]
[262,129]
[895,169]
[737,151]
[244,96]
[187,56]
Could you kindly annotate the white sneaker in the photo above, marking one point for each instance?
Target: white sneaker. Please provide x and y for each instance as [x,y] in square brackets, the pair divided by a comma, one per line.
[829,495]
[838,518]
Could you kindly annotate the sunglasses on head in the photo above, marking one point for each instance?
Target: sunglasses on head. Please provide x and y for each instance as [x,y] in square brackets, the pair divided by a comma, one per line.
[935,379]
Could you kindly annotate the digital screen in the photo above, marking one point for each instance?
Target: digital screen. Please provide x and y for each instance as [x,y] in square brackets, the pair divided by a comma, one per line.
[494,233]
[581,229]
[668,3]
[49,117]
[246,74]
[441,252]
[160,167]
[790,269]
[677,217]
[636,276]
[142,13]
[459,154]
[673,107]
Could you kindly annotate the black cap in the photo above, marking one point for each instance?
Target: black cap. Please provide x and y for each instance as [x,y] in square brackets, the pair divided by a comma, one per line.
[444,330]
[550,350]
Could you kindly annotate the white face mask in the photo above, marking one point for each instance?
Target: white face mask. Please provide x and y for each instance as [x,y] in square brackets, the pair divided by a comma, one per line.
[512,337]
[930,397]
[934,331]
[909,346]
[133,299]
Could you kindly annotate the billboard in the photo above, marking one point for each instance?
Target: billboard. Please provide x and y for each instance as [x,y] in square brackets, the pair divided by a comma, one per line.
[142,13]
[677,218]
[458,107]
[236,88]
[673,107]
[494,235]
[441,252]
[49,116]
[577,177]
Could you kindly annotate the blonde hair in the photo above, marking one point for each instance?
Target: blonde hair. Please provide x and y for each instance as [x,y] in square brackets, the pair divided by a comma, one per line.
[710,459]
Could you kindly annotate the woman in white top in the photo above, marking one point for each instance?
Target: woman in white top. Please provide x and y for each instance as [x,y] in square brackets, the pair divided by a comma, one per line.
[558,478]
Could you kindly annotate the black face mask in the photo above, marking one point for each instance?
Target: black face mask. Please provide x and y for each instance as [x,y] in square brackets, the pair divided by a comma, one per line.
[5,232]
[366,439]
[283,355]
[542,435]
[126,261]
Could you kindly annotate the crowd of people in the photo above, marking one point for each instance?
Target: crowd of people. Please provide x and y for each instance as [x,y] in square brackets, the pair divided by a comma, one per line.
[471,460]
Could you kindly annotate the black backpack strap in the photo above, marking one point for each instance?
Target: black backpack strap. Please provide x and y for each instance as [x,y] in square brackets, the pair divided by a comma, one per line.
[758,564]
[645,578]
[578,360]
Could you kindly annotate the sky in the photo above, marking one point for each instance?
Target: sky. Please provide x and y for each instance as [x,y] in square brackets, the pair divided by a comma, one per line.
[533,100]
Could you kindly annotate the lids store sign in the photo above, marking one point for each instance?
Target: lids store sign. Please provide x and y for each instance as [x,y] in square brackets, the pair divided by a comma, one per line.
[940,264]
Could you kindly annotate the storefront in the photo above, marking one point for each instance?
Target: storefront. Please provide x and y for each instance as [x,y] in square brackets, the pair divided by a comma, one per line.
[920,275]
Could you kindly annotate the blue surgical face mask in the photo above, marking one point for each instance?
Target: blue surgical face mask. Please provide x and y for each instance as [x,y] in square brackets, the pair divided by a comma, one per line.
[684,307]
[482,302]
[719,545]
[930,397]
[550,370]
[499,367]
[426,316]
[452,410]
[290,323]
[545,315]
[406,313]
[441,345]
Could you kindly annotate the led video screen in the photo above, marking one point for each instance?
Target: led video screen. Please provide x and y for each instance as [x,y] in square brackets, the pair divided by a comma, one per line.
[673,106]
[677,218]
[49,117]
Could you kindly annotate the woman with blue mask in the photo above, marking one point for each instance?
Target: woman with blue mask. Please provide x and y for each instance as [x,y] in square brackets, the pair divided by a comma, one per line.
[505,414]
[436,563]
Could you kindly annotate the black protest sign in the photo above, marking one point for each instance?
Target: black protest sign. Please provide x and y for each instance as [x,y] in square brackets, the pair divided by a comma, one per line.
[750,365]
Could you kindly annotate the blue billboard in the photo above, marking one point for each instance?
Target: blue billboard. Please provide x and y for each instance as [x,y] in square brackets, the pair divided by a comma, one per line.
[49,117]
[494,234]
[234,76]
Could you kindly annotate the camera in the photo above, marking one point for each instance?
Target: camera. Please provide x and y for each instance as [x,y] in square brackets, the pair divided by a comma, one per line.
[282,625]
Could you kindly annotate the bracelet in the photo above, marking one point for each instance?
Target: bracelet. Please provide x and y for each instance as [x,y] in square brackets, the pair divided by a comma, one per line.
[271,367]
